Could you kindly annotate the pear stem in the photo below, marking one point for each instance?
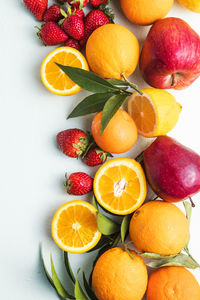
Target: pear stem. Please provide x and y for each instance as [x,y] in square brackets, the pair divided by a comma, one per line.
[192,203]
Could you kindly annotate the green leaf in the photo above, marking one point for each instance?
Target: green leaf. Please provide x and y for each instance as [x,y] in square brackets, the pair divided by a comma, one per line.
[58,285]
[124,227]
[68,267]
[180,260]
[131,255]
[88,80]
[116,240]
[117,82]
[94,202]
[78,291]
[91,104]
[105,240]
[156,256]
[106,225]
[88,289]
[188,210]
[45,268]
[110,109]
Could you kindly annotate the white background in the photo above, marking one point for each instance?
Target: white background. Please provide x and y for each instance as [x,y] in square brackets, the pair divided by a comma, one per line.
[32,168]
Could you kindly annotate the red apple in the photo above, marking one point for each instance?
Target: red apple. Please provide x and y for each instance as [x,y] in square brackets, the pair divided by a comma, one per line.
[173,171]
[170,56]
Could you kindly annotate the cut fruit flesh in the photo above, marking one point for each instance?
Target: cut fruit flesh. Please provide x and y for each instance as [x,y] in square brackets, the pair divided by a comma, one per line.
[54,78]
[74,227]
[120,186]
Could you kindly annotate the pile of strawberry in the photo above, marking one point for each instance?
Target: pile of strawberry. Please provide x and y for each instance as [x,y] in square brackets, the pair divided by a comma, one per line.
[76,143]
[66,23]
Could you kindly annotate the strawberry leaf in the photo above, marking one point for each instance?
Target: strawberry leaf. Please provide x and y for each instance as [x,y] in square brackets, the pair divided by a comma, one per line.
[110,109]
[88,80]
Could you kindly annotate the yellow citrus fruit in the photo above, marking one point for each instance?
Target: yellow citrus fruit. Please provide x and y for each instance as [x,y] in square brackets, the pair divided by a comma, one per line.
[159,227]
[155,113]
[74,227]
[173,283]
[145,12]
[112,50]
[120,186]
[193,5]
[118,276]
[120,134]
[54,79]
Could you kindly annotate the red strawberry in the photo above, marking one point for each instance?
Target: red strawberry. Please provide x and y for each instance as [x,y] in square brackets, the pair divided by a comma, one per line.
[72,43]
[37,7]
[95,157]
[72,142]
[97,3]
[93,20]
[53,13]
[52,34]
[79,183]
[78,12]
[74,27]
[78,3]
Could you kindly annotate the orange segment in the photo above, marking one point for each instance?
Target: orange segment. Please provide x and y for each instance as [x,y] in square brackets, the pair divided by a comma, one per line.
[54,78]
[143,112]
[120,186]
[74,227]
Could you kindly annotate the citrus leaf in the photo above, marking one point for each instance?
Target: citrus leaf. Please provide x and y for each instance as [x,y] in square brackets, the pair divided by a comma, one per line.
[106,225]
[131,255]
[105,240]
[110,109]
[188,210]
[78,291]
[116,240]
[91,104]
[156,256]
[94,202]
[88,80]
[180,260]
[58,285]
[117,82]
[88,288]
[124,227]
[68,267]
[45,268]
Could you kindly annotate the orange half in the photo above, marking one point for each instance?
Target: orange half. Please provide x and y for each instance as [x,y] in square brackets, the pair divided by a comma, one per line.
[74,227]
[120,186]
[54,79]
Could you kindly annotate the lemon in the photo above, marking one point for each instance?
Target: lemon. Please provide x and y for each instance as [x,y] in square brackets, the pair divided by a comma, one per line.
[193,5]
[155,113]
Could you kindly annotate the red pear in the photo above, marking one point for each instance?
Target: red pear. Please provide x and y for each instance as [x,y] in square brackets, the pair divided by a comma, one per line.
[173,170]
[170,56]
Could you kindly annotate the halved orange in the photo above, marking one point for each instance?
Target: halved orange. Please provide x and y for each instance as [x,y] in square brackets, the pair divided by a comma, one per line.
[120,186]
[74,227]
[155,113]
[54,78]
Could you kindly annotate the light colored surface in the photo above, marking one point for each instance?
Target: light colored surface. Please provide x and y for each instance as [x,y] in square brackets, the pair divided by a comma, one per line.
[32,168]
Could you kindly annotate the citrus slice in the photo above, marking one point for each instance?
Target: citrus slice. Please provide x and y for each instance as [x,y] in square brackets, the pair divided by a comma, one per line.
[54,79]
[74,227]
[155,113]
[120,186]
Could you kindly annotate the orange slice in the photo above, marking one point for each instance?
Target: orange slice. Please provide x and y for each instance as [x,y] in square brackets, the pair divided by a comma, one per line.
[74,227]
[120,186]
[54,79]
[155,113]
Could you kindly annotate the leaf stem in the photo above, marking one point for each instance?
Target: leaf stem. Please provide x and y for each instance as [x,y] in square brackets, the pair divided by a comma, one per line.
[132,85]
[186,249]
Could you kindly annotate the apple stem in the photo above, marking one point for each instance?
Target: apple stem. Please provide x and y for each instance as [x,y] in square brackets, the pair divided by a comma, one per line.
[173,80]
[192,203]
[132,85]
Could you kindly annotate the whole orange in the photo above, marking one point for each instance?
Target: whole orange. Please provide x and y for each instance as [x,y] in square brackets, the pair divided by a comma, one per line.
[111,50]
[173,283]
[159,227]
[120,134]
[118,276]
[145,12]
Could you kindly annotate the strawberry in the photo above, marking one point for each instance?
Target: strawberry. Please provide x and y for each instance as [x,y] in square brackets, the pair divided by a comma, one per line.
[78,3]
[79,183]
[53,13]
[72,142]
[93,20]
[74,27]
[78,12]
[95,156]
[97,3]
[73,44]
[37,7]
[51,34]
